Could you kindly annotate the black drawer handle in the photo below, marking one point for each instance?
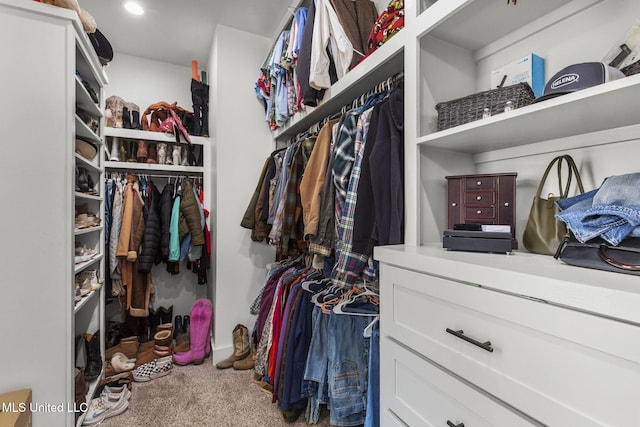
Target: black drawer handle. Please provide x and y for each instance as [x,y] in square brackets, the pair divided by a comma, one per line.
[482,345]
[450,424]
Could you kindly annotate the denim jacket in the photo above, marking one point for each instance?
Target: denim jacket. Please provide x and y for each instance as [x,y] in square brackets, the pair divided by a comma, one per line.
[611,212]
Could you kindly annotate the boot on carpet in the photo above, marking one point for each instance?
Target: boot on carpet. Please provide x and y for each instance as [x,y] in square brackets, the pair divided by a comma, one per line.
[199,334]
[240,347]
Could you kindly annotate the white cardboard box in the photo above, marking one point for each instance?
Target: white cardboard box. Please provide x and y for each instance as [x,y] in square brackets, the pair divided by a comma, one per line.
[529,69]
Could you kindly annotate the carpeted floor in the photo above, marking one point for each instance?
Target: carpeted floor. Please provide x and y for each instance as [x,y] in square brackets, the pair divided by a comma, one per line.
[201,395]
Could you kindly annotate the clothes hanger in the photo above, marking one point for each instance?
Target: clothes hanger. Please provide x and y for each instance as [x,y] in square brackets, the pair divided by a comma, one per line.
[368,330]
[362,296]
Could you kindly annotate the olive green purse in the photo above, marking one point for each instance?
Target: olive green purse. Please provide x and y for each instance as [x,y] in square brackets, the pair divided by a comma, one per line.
[543,232]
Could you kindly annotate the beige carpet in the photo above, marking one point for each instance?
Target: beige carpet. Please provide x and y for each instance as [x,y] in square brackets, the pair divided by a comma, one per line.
[203,396]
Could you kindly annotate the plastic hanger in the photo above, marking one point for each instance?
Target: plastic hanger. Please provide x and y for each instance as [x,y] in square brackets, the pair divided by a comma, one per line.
[357,295]
[368,330]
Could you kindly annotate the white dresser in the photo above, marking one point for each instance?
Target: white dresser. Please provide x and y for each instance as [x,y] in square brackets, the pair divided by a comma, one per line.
[472,339]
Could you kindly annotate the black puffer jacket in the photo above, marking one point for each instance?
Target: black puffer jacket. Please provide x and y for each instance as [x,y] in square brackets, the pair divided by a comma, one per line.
[151,236]
[166,205]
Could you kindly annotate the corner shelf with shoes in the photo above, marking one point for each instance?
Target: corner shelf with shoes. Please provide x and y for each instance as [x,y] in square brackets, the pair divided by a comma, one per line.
[121,143]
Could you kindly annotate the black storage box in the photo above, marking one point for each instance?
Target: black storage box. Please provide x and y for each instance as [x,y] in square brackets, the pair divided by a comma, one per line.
[476,241]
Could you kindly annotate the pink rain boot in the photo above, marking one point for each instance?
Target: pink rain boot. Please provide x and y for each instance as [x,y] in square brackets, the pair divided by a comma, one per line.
[200,334]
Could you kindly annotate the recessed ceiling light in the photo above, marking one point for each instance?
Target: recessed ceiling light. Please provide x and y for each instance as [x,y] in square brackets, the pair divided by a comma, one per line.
[134,8]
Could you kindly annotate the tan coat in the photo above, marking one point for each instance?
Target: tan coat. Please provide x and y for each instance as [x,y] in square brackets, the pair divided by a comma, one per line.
[132,228]
[313,180]
[138,285]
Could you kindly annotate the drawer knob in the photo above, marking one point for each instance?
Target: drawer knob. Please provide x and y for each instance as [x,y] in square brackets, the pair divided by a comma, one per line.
[451,424]
[454,204]
[478,211]
[460,334]
[506,204]
[478,197]
[479,183]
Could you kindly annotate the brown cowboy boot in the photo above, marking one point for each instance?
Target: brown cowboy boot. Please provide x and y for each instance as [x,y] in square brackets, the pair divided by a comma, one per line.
[240,347]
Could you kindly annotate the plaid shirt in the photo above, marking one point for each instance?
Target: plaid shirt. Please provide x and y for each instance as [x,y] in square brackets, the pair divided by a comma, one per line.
[343,158]
[349,265]
[277,209]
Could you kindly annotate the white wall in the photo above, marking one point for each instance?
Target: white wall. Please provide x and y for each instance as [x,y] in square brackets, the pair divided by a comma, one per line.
[144,82]
[242,142]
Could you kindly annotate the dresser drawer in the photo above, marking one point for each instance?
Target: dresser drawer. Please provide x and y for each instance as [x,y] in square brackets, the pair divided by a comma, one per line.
[479,213]
[559,366]
[421,394]
[480,198]
[479,182]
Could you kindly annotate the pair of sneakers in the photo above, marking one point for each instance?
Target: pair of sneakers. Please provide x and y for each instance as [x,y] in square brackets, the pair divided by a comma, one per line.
[111,402]
[155,369]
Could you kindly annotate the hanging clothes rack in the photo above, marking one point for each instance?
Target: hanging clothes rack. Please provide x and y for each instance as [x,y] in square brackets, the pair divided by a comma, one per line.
[123,173]
[388,84]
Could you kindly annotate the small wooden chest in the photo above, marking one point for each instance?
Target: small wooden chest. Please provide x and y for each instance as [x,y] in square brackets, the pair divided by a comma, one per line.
[482,199]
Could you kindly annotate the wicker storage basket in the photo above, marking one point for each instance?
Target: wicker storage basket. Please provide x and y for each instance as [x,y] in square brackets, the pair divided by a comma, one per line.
[470,108]
[631,69]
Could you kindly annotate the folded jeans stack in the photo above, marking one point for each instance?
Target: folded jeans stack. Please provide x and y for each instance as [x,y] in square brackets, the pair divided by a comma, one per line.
[611,212]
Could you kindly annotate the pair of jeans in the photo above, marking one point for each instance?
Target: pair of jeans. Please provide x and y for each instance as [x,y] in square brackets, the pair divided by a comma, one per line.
[336,372]
[348,369]
[316,382]
[373,391]
[611,212]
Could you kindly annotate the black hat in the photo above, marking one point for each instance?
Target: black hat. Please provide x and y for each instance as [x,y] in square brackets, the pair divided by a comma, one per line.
[102,46]
[579,76]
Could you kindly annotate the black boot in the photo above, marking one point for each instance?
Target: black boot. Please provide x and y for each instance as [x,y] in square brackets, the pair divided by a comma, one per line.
[196,99]
[126,118]
[205,111]
[154,321]
[200,99]
[186,323]
[178,326]
[191,156]
[94,358]
[166,314]
[135,116]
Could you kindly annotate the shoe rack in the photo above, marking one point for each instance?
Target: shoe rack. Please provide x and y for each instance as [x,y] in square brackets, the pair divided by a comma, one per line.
[121,140]
[89,230]
[54,82]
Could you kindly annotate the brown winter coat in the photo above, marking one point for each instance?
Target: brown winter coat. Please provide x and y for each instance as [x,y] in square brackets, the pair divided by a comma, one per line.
[132,228]
[190,220]
[138,285]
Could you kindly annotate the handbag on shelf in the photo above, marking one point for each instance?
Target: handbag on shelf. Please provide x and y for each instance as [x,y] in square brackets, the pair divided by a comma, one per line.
[543,231]
[599,255]
[165,117]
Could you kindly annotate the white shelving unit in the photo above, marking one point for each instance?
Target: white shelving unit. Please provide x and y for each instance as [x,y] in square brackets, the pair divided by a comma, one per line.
[202,144]
[446,51]
[44,48]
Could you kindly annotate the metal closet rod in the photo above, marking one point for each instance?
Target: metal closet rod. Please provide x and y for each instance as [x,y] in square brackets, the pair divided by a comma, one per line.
[155,175]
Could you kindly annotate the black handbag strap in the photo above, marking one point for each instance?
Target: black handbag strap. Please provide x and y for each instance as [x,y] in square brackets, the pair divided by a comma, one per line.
[572,170]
